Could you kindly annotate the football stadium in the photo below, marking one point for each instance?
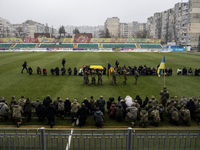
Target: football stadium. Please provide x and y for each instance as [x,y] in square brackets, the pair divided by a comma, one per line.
[161,104]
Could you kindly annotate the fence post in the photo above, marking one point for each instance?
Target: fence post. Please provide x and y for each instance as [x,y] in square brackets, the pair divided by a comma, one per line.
[43,138]
[129,138]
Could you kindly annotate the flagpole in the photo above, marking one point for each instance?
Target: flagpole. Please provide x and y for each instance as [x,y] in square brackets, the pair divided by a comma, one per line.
[164,77]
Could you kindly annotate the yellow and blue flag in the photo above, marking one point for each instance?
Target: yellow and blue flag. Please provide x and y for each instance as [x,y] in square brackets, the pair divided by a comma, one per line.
[162,66]
[110,69]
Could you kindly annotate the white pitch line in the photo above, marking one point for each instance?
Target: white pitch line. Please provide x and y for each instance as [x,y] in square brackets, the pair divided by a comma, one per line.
[69,140]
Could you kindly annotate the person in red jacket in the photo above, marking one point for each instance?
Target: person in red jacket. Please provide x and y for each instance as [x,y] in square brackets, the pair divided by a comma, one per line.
[112,110]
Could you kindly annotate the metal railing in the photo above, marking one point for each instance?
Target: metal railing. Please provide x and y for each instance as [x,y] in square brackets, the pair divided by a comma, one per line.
[96,139]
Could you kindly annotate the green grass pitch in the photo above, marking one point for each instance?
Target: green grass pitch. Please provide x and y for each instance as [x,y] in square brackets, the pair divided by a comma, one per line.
[13,83]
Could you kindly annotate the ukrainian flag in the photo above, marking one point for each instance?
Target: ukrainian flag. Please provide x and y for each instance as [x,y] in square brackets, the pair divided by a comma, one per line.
[110,69]
[162,66]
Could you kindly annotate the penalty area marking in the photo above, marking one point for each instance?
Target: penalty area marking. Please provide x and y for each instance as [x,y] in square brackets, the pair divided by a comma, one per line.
[69,140]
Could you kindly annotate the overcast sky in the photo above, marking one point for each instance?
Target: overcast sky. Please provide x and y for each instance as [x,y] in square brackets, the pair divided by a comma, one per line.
[81,12]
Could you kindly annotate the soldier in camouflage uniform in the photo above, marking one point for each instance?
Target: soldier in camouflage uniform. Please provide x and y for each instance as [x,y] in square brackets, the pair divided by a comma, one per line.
[100,72]
[132,113]
[136,76]
[164,95]
[17,114]
[174,115]
[86,73]
[93,72]
[162,112]
[138,106]
[149,107]
[155,116]
[171,103]
[143,118]
[114,77]
[22,101]
[185,115]
[93,105]
[154,101]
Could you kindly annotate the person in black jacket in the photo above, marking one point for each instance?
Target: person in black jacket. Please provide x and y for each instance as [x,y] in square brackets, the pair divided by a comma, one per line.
[47,101]
[184,72]
[145,102]
[191,106]
[57,71]
[83,114]
[63,62]
[50,114]
[24,67]
[63,70]
[67,106]
[139,100]
[52,71]
[41,112]
[109,102]
[69,71]
[30,70]
[75,71]
[87,103]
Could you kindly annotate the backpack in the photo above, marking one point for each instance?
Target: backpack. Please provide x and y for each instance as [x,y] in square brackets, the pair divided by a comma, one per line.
[61,106]
[16,113]
[22,102]
[93,104]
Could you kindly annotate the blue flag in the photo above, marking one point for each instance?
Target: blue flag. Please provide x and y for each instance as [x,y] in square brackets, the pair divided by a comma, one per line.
[110,69]
[162,66]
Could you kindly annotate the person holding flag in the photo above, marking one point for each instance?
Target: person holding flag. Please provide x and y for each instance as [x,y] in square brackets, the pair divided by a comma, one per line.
[112,71]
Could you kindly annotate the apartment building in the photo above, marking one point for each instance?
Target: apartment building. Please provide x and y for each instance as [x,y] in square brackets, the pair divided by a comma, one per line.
[180,24]
[193,28]
[126,30]
[5,31]
[112,24]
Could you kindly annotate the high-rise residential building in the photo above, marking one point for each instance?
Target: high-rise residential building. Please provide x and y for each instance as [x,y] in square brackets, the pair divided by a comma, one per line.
[180,24]
[112,24]
[126,30]
[17,31]
[150,27]
[4,28]
[142,27]
[193,28]
[135,28]
[30,27]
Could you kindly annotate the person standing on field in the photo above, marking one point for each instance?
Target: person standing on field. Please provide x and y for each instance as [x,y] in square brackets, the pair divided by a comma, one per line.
[24,67]
[164,95]
[100,72]
[63,62]
[136,76]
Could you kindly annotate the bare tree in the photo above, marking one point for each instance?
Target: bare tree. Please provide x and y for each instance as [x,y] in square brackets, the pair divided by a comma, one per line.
[141,34]
[19,32]
[101,33]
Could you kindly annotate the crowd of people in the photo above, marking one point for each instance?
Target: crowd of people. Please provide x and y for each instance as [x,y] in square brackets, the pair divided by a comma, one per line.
[125,109]
[124,70]
[184,71]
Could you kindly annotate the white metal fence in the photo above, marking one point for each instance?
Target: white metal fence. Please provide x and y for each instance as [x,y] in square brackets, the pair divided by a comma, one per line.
[97,139]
